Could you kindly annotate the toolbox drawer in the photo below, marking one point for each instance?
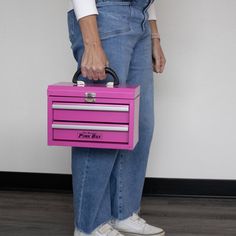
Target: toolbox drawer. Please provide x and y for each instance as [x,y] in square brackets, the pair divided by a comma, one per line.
[88,132]
[83,112]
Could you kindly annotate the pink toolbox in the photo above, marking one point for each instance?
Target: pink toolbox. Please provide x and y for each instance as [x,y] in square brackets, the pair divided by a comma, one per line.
[93,115]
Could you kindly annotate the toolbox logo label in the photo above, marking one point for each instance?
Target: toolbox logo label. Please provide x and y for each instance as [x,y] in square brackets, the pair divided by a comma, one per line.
[89,135]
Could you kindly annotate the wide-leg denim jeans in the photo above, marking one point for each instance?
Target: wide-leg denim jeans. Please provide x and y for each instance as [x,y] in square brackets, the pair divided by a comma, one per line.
[108,183]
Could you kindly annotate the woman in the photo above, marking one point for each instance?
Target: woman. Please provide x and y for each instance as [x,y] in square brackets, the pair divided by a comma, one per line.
[108,184]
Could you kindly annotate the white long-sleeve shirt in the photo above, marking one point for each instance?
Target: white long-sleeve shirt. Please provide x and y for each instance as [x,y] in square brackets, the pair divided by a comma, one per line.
[88,7]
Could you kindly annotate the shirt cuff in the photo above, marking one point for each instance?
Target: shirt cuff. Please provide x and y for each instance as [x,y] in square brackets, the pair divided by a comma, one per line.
[152,11]
[84,8]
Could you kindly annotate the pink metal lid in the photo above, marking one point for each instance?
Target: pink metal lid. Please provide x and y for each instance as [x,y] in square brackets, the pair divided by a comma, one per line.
[69,89]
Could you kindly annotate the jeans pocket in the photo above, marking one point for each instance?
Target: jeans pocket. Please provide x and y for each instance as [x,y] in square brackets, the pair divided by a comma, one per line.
[113,19]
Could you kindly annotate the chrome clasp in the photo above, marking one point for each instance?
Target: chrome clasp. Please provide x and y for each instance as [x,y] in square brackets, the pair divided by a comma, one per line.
[90,97]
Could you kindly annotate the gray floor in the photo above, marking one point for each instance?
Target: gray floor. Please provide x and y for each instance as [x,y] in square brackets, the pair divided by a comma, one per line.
[46,214]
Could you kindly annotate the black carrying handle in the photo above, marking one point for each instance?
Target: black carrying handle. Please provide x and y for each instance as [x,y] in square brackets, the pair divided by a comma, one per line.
[108,70]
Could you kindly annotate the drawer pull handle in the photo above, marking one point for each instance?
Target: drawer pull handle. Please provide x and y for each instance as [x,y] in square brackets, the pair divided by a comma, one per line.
[91,127]
[108,70]
[91,108]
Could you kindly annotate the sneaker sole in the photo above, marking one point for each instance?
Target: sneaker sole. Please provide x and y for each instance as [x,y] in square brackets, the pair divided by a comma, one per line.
[136,234]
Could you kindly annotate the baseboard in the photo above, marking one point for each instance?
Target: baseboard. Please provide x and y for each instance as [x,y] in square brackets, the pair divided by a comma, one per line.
[152,187]
[190,187]
[35,181]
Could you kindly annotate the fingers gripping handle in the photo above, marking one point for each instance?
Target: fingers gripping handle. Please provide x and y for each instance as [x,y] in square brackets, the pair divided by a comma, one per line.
[108,70]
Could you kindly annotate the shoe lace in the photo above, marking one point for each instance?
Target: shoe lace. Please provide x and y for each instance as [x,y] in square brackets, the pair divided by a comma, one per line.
[137,218]
[107,229]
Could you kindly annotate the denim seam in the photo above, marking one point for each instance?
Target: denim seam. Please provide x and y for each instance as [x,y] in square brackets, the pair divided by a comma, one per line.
[83,183]
[145,14]
[120,199]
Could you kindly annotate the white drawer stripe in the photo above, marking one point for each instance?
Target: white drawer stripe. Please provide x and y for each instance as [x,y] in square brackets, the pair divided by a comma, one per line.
[91,127]
[91,107]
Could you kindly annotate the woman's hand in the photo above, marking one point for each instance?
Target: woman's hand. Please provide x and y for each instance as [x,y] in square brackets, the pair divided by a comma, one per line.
[158,57]
[93,62]
[94,59]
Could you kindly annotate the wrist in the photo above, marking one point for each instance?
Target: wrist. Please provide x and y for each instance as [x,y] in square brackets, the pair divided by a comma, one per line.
[155,35]
[92,43]
[156,41]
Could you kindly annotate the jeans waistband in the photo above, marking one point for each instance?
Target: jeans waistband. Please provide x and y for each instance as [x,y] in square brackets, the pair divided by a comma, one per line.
[141,4]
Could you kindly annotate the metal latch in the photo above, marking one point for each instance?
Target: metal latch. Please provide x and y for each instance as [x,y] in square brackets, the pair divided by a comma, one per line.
[90,97]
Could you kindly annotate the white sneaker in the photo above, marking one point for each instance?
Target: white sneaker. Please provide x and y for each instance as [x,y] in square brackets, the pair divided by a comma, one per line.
[135,225]
[102,230]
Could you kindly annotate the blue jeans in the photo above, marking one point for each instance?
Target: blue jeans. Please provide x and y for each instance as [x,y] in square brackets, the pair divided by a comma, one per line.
[108,183]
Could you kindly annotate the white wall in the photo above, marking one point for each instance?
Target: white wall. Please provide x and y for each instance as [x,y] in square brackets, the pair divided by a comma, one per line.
[34,52]
[195,98]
